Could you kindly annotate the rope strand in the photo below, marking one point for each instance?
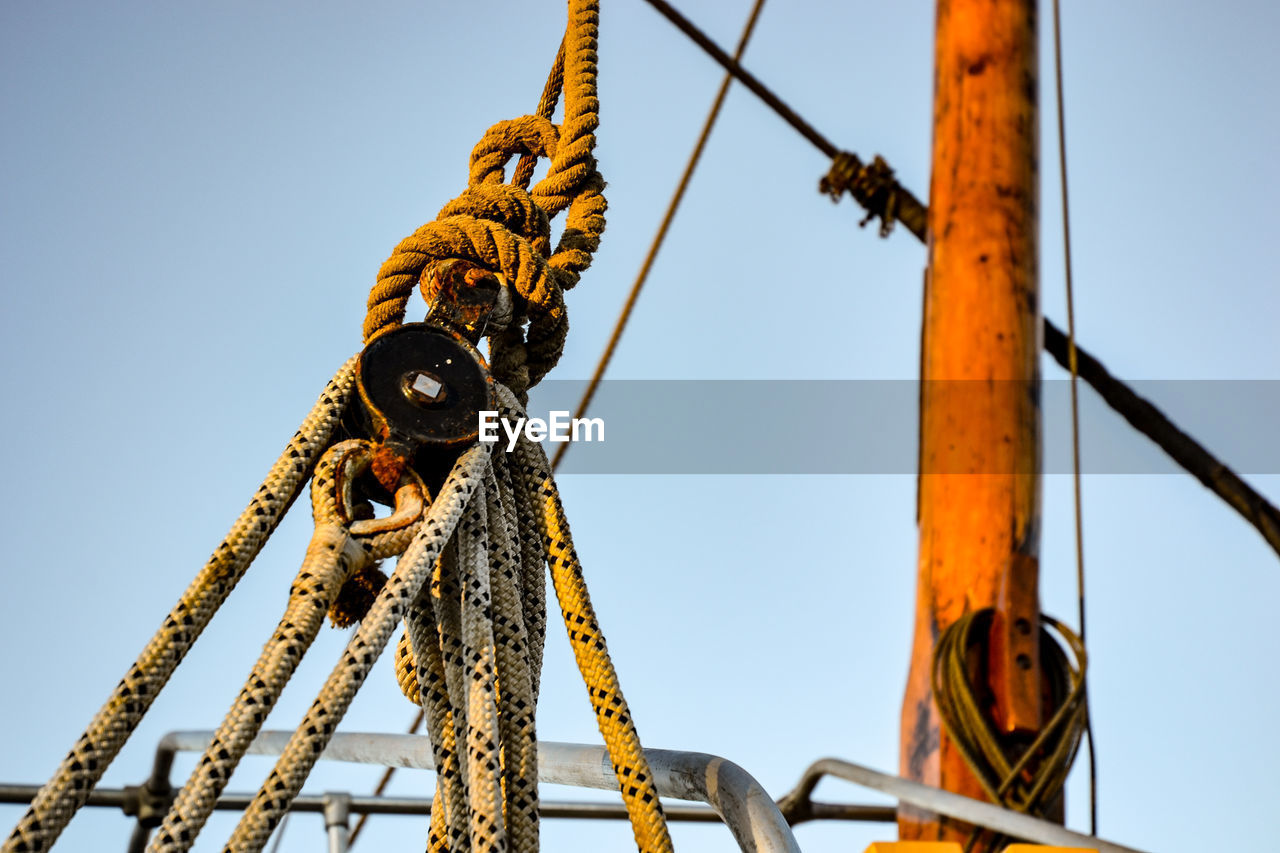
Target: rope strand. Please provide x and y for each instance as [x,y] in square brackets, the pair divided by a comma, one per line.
[313,733]
[70,786]
[661,235]
[1074,366]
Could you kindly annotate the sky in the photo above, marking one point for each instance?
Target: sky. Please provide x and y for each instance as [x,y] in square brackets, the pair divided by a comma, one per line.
[196,199]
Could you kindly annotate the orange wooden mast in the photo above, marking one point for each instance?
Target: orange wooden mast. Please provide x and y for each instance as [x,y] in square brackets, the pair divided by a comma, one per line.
[980,456]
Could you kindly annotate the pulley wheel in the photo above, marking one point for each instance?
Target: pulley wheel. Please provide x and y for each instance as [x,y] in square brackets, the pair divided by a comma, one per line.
[424,385]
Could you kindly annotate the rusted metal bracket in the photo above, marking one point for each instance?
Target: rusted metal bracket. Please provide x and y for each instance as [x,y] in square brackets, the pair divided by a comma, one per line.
[1013,649]
[422,384]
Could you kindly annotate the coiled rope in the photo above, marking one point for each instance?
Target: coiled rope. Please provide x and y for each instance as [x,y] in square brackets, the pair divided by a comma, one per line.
[1026,777]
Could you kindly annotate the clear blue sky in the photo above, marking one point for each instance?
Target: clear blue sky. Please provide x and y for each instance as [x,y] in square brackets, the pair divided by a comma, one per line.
[196,198]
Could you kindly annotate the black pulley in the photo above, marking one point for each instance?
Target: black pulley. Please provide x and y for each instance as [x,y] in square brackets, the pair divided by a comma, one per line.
[424,386]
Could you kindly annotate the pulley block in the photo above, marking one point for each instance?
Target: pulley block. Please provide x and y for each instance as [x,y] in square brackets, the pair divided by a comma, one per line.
[422,388]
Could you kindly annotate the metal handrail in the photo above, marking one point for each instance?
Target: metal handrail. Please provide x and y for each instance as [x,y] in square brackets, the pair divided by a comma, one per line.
[976,812]
[740,801]
[734,796]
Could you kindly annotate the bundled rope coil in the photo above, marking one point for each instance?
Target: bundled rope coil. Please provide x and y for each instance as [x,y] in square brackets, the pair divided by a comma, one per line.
[1023,776]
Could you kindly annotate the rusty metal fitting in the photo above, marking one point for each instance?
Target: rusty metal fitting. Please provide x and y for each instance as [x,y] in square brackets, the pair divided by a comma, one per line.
[422,386]
[408,491]
[466,297]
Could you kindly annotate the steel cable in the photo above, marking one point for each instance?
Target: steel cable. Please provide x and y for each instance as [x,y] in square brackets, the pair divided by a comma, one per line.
[1140,413]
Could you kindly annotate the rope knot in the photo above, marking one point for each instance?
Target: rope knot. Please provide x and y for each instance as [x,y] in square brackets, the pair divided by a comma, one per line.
[872,185]
[534,136]
[505,230]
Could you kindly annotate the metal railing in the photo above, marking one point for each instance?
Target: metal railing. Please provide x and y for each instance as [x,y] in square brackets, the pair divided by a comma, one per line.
[730,794]
[734,796]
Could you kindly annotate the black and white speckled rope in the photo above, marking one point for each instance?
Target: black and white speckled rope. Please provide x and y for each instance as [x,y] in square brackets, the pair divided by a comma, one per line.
[516,697]
[312,735]
[467,659]
[79,772]
[471,644]
[338,548]
[531,472]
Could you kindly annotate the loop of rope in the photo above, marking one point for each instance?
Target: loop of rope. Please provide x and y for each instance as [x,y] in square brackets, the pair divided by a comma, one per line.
[312,735]
[546,108]
[1026,777]
[503,228]
[335,552]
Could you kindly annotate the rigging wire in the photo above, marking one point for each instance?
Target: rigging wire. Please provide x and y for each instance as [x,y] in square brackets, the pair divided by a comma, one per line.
[660,236]
[1139,412]
[1074,367]
[1143,416]
[280,830]
[872,185]
[745,77]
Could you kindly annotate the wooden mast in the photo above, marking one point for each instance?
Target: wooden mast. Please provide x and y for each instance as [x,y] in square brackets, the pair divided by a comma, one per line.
[979,487]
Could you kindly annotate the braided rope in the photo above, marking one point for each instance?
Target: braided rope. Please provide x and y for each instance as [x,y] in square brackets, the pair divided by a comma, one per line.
[516,698]
[522,525]
[472,674]
[504,228]
[585,637]
[479,648]
[102,740]
[480,669]
[313,733]
[449,805]
[447,613]
[333,555]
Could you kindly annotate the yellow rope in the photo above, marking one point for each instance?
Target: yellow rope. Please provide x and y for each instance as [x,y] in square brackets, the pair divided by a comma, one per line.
[655,246]
[504,228]
[613,716]
[1031,781]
